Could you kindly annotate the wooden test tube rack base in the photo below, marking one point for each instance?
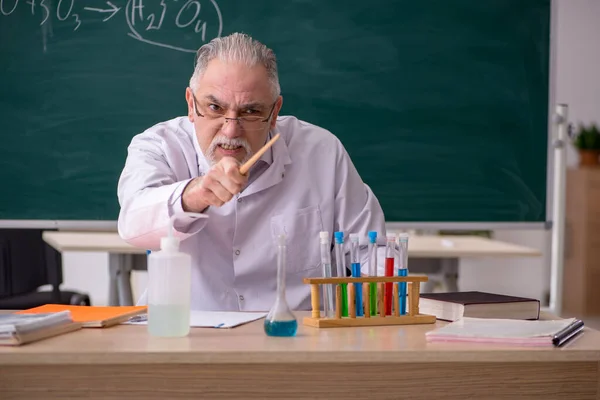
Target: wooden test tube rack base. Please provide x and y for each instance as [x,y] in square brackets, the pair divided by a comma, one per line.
[411,317]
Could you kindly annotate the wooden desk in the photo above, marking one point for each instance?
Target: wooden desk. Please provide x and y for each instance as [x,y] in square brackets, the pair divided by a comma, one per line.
[438,256]
[109,242]
[387,362]
[465,246]
[122,258]
[419,246]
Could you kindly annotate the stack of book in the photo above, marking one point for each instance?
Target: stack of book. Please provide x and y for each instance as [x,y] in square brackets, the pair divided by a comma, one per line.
[91,316]
[54,319]
[17,329]
[452,306]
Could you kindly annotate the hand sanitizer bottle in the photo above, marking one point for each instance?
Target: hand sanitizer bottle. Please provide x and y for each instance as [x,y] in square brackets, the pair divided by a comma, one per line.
[169,288]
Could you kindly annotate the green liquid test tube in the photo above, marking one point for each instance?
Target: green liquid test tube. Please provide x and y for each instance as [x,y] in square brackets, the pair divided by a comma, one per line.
[373,297]
[341,268]
[344,299]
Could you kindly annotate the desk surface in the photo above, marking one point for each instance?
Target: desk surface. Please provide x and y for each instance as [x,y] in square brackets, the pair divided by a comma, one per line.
[248,344]
[387,362]
[419,246]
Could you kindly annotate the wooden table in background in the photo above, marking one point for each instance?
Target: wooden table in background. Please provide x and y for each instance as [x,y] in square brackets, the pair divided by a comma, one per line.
[122,258]
[388,362]
[436,256]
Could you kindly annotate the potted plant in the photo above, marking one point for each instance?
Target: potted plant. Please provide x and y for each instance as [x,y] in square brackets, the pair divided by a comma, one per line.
[587,142]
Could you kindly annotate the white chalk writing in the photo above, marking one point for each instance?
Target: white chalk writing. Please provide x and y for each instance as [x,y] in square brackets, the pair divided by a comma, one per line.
[201,18]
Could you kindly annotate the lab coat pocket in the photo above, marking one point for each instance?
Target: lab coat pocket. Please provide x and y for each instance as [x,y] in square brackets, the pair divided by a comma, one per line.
[301,228]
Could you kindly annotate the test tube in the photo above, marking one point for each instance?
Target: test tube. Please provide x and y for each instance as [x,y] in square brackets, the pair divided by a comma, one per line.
[372,254]
[340,261]
[355,260]
[390,255]
[328,298]
[402,270]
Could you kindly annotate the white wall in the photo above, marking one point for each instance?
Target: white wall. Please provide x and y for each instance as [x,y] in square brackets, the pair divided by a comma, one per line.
[517,276]
[578,61]
[88,272]
[577,84]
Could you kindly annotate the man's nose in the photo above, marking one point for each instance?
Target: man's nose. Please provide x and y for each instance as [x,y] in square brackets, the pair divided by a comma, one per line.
[231,127]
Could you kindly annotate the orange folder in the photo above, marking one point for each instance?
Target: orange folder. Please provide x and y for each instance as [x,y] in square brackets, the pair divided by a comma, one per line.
[91,316]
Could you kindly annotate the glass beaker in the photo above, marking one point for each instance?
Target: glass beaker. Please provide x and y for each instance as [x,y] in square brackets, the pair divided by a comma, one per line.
[280,320]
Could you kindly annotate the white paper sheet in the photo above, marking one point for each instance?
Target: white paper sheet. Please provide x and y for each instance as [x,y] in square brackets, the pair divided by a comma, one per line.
[507,331]
[210,319]
[501,328]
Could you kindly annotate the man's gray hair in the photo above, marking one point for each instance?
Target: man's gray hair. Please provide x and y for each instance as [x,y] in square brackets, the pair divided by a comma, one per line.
[241,48]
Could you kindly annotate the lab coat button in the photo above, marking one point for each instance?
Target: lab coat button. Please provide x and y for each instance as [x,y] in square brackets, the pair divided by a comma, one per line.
[237,252]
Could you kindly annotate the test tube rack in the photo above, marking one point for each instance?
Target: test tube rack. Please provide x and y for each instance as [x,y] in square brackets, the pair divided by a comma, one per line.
[411,317]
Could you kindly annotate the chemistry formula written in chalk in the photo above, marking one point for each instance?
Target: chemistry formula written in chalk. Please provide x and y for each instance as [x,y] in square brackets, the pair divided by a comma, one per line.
[200,18]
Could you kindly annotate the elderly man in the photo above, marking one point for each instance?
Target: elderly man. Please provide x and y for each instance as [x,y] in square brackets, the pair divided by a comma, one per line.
[305,183]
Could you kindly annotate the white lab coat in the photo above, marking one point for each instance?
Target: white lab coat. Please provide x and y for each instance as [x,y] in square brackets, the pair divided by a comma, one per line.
[308,184]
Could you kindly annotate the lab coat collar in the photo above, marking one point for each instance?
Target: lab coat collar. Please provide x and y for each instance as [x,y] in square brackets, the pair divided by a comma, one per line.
[276,171]
[268,155]
[203,165]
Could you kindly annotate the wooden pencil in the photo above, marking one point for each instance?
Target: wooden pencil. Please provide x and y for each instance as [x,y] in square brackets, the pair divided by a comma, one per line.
[248,164]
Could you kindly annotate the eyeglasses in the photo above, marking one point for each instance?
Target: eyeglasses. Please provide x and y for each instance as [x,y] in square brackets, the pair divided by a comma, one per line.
[246,122]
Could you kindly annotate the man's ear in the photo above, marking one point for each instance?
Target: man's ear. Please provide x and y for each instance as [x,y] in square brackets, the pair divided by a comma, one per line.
[190,103]
[278,104]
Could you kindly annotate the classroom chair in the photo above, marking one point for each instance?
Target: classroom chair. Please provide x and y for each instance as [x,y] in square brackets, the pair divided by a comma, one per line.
[26,264]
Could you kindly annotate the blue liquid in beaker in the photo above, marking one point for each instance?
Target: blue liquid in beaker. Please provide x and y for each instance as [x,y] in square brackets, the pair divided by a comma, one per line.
[281,328]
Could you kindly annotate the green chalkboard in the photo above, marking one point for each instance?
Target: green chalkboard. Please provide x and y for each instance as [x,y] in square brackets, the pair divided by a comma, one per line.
[442,105]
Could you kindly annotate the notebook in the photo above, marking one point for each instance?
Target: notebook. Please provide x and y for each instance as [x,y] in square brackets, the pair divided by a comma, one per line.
[17,329]
[452,306]
[91,316]
[508,331]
